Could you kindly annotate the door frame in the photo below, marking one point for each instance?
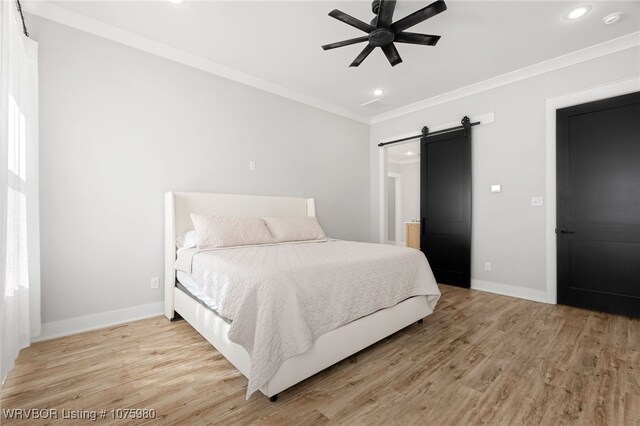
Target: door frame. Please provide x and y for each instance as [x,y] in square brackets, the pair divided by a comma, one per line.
[597,93]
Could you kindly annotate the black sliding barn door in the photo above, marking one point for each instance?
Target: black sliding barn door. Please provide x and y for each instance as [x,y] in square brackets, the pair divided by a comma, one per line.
[445,205]
[598,202]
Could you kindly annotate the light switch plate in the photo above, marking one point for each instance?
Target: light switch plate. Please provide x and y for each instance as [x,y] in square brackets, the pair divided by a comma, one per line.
[537,201]
[496,188]
[252,165]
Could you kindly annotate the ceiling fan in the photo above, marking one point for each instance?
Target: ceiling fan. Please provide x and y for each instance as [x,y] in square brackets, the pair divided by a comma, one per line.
[382,32]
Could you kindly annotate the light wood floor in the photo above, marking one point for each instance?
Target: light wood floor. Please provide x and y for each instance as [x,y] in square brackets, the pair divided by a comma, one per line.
[479,359]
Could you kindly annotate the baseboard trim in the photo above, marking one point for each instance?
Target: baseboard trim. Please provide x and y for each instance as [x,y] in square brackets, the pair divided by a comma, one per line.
[54,329]
[510,290]
[67,327]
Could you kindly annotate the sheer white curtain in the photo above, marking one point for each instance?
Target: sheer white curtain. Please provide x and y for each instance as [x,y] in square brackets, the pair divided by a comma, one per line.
[19,232]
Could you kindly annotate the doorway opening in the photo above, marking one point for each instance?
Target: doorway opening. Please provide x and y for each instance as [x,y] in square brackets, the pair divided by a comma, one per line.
[598,205]
[552,105]
[403,190]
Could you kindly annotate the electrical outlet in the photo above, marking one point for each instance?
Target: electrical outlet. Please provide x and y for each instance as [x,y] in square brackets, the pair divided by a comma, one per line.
[154,283]
[487,266]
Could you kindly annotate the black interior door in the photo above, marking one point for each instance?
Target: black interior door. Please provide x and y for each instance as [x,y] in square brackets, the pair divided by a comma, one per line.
[598,202]
[445,205]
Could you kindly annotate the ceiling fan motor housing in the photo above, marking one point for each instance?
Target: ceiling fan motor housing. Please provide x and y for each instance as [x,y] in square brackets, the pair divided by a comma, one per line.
[381,37]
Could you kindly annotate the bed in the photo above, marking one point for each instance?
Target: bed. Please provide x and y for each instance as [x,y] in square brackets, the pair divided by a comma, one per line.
[326,348]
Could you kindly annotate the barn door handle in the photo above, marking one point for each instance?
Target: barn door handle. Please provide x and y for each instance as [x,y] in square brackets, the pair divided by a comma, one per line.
[422,225]
[564,231]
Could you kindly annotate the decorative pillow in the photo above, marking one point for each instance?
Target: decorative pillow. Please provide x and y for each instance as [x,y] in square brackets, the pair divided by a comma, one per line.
[226,231]
[295,228]
[187,240]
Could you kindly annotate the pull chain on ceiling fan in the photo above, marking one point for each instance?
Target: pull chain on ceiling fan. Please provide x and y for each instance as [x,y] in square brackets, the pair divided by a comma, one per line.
[383,33]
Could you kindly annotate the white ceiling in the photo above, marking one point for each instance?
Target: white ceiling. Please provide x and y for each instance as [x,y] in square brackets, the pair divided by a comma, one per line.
[280,41]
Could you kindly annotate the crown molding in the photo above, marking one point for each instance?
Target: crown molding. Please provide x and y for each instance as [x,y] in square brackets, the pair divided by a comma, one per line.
[93,26]
[602,49]
[52,12]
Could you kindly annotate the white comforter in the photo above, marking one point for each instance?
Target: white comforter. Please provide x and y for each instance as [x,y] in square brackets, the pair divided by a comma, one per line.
[282,297]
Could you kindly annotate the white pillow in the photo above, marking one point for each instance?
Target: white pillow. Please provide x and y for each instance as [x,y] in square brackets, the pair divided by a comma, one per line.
[187,240]
[226,231]
[295,228]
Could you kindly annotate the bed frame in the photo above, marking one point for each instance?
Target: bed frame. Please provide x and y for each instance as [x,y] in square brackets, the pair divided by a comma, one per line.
[328,348]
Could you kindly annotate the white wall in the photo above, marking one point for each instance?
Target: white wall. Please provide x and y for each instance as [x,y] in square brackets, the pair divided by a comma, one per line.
[119,127]
[507,231]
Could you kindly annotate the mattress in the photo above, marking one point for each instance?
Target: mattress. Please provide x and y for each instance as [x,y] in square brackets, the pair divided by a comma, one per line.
[188,285]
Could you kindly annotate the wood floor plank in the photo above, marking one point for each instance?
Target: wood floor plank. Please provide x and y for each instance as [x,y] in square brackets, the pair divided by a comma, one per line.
[479,359]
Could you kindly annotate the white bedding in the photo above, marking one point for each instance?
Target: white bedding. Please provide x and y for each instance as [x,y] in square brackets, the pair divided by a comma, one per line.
[282,297]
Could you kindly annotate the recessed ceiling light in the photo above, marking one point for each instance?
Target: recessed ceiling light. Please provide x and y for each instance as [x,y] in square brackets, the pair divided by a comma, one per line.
[578,12]
[176,1]
[612,18]
[410,153]
[377,92]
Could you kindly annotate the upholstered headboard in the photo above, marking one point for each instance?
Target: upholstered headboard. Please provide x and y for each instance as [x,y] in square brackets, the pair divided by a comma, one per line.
[180,205]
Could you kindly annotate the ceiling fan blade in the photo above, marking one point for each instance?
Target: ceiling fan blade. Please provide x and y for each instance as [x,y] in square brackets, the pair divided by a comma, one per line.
[361,57]
[413,38]
[385,13]
[345,42]
[392,54]
[350,20]
[421,15]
